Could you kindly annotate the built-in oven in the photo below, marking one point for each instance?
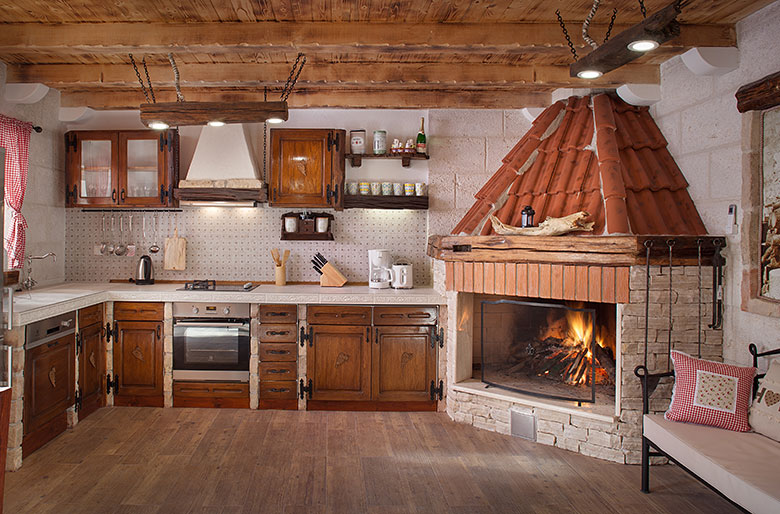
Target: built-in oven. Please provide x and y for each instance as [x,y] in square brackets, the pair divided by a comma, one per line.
[211,341]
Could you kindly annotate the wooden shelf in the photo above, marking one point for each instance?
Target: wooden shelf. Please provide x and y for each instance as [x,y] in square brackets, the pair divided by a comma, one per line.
[306,228]
[385,202]
[406,159]
[315,236]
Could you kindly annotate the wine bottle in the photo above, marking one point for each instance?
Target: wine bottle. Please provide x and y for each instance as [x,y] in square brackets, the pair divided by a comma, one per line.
[421,146]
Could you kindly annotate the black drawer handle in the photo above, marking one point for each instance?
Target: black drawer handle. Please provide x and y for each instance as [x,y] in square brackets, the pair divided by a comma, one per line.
[272,314]
[419,315]
[278,333]
[278,390]
[50,345]
[278,371]
[228,391]
[193,390]
[396,316]
[279,352]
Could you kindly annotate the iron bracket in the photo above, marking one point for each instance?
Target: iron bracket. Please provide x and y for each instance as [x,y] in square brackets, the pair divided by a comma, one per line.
[437,391]
[305,389]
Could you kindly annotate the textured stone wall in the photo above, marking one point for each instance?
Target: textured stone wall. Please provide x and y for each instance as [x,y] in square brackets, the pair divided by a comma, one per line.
[620,439]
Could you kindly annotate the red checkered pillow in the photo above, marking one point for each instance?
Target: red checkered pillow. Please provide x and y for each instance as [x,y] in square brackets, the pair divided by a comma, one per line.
[710,393]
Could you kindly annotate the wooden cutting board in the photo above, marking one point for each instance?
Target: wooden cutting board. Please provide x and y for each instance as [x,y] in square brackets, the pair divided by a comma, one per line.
[175,257]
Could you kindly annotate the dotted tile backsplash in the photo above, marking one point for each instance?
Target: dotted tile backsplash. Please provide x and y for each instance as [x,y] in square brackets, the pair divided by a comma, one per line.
[234,244]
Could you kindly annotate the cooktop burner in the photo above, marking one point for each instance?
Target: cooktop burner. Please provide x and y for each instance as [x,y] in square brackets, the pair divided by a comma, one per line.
[211,285]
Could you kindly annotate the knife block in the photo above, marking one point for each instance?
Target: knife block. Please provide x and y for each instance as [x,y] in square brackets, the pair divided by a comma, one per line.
[331,277]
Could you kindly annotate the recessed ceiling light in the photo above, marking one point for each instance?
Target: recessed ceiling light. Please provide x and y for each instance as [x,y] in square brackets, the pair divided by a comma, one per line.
[643,45]
[275,120]
[158,125]
[589,74]
[216,123]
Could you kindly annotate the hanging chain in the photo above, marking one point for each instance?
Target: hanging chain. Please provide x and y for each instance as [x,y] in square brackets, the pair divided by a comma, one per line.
[179,96]
[698,338]
[642,8]
[265,137]
[670,243]
[566,34]
[148,80]
[586,25]
[293,78]
[648,245]
[611,24]
[140,80]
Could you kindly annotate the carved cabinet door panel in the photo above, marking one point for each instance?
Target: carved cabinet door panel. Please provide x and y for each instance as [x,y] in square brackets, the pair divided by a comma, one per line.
[339,362]
[138,356]
[50,382]
[403,363]
[92,370]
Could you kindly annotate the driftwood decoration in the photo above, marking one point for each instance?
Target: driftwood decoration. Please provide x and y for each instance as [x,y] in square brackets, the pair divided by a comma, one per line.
[549,227]
[759,95]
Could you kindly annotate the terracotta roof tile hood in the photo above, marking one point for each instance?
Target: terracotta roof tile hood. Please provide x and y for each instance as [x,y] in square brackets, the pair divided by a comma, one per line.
[595,154]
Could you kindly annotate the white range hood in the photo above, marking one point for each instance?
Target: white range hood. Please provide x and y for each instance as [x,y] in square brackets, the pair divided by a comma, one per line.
[223,170]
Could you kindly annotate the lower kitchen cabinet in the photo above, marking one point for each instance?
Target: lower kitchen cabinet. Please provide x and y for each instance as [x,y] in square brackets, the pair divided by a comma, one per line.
[403,364]
[138,363]
[92,366]
[231,395]
[338,362]
[49,389]
[278,356]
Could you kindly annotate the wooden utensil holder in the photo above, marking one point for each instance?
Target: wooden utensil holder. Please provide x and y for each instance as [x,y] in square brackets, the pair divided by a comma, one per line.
[281,275]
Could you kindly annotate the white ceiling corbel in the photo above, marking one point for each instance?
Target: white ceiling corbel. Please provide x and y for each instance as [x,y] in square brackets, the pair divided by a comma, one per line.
[640,94]
[531,113]
[25,93]
[73,114]
[711,60]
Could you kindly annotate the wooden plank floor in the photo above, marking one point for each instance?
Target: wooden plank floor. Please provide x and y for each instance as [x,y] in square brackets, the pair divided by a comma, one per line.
[146,460]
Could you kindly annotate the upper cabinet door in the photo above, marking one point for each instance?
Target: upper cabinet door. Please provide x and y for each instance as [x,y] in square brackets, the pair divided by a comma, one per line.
[307,167]
[143,159]
[92,168]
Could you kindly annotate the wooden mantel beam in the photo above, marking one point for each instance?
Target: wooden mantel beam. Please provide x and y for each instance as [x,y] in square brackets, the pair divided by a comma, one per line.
[64,76]
[251,38]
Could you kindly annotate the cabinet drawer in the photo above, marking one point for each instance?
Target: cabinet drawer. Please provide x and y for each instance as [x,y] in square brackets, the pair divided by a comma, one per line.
[278,389]
[138,311]
[405,315]
[90,316]
[278,313]
[211,389]
[278,352]
[278,370]
[278,333]
[338,315]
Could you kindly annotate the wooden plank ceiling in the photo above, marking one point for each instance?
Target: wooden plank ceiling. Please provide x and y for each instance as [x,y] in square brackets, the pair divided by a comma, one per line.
[361,53]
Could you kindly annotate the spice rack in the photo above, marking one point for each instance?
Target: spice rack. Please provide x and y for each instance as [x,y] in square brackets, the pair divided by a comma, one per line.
[385,202]
[306,229]
[356,159]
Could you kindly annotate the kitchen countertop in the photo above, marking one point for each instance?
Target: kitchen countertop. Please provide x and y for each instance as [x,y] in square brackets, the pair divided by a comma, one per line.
[45,302]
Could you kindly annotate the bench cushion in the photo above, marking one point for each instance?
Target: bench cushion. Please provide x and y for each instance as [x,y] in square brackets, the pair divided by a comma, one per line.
[744,466]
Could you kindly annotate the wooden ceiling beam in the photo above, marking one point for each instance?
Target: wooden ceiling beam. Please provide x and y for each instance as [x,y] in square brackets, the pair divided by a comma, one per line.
[251,38]
[427,98]
[338,74]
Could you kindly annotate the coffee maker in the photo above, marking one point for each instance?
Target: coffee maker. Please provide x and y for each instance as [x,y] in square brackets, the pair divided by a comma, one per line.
[380,272]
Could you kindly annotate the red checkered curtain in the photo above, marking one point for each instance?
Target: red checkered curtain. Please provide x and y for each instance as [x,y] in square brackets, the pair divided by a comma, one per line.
[15,138]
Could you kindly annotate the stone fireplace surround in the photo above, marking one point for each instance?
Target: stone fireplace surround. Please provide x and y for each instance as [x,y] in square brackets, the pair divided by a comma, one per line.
[599,272]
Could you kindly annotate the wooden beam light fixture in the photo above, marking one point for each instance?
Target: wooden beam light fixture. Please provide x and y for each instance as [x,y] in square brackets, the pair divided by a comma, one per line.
[170,114]
[630,44]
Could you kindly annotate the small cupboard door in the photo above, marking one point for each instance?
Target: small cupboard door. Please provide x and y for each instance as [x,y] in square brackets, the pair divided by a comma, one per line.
[339,362]
[91,370]
[92,168]
[403,363]
[138,367]
[50,382]
[143,158]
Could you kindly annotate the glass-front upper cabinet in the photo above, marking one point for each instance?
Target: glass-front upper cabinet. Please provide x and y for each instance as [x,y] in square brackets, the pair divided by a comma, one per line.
[121,168]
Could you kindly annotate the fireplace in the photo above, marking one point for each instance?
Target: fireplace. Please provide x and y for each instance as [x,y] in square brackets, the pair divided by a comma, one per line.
[550,349]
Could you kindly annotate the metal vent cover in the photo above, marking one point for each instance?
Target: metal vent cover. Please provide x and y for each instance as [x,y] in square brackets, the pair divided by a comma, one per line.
[522,425]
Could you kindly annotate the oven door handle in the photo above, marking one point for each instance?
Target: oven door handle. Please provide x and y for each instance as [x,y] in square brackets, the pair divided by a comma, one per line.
[209,325]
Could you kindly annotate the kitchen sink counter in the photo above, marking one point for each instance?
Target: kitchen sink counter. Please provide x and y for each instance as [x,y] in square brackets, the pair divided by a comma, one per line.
[45,302]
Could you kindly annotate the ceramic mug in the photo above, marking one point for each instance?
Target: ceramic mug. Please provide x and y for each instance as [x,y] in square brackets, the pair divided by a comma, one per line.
[364,188]
[322,225]
[387,188]
[419,189]
[398,189]
[352,188]
[376,188]
[290,224]
[409,189]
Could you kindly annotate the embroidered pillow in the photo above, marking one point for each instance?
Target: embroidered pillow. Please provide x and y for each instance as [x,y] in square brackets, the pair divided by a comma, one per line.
[765,411]
[710,393]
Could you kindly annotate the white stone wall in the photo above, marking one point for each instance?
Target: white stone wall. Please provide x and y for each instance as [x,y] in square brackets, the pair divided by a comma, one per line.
[44,202]
[699,118]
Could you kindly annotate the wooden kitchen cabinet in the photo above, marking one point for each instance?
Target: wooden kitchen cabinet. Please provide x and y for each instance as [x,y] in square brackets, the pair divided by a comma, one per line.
[403,364]
[278,357]
[91,356]
[138,355]
[137,168]
[307,168]
[49,389]
[338,362]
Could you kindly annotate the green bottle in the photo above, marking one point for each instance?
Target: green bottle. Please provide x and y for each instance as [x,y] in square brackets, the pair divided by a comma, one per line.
[421,146]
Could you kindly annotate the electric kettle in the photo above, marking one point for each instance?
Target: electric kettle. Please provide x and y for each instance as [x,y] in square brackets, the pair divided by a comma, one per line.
[144,273]
[403,276]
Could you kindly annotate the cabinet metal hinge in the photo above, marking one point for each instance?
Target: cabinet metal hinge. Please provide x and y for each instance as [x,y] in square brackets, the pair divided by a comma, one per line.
[305,389]
[437,391]
[306,336]
[437,337]
[332,194]
[70,142]
[107,334]
[112,384]
[78,401]
[71,194]
[163,142]
[163,193]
